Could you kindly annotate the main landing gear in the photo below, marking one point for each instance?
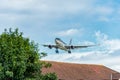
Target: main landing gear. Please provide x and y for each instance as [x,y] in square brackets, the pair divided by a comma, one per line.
[69,51]
[56,51]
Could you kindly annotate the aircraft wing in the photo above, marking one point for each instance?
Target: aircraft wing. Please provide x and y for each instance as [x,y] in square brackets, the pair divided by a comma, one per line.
[50,46]
[75,47]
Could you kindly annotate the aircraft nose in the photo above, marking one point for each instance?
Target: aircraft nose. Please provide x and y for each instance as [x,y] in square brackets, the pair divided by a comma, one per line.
[56,38]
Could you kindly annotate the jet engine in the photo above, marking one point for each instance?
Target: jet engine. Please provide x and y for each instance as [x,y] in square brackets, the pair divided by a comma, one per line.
[49,46]
[71,47]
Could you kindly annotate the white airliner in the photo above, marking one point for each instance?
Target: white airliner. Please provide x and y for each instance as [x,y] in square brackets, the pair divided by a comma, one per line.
[59,44]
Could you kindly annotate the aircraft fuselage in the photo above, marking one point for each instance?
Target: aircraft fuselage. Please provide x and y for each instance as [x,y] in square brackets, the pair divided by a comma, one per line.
[60,44]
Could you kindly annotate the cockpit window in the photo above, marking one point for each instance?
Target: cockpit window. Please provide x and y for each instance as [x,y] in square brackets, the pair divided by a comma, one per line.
[60,40]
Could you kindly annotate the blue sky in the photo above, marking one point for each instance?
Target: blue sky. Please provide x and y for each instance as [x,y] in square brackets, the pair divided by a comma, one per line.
[85,21]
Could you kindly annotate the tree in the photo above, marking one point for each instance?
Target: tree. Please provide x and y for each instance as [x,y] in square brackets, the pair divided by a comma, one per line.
[49,76]
[20,58]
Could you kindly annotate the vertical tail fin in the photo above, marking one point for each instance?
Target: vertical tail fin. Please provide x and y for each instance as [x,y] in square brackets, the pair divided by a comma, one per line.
[70,42]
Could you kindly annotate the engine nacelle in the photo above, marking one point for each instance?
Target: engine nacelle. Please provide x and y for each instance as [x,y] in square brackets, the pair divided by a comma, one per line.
[50,47]
[71,47]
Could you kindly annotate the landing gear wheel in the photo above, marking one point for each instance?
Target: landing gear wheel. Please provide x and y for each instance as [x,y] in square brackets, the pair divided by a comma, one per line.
[69,51]
[57,51]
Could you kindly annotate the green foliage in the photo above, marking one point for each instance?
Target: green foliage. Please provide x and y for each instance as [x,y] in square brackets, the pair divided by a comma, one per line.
[19,57]
[50,76]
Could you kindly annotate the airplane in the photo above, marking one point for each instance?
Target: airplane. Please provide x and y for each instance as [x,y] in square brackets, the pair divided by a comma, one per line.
[59,44]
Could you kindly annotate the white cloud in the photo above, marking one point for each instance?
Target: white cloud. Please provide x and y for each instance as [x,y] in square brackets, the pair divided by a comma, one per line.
[44,10]
[15,4]
[101,37]
[103,13]
[86,43]
[104,10]
[111,45]
[104,19]
[52,8]
[69,32]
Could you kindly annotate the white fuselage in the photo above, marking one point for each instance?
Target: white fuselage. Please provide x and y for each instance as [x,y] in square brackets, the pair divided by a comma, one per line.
[60,44]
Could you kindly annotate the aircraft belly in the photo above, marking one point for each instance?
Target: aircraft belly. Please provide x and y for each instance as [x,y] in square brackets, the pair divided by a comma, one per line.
[63,48]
